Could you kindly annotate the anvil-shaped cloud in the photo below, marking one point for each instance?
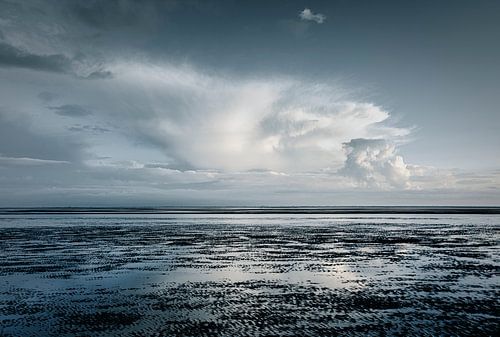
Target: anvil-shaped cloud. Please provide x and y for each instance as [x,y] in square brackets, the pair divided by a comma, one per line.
[217,122]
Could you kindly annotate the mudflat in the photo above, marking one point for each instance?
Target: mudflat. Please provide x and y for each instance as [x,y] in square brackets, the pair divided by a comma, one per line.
[249,274]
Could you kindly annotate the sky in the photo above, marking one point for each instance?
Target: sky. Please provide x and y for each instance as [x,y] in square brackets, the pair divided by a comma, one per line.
[233,103]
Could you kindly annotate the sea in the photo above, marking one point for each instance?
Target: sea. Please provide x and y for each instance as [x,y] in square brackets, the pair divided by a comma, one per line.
[301,271]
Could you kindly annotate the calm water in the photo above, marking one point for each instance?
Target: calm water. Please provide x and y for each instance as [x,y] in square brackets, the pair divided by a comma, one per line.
[249,275]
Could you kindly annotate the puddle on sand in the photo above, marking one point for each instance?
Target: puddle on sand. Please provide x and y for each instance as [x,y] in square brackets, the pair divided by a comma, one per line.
[256,276]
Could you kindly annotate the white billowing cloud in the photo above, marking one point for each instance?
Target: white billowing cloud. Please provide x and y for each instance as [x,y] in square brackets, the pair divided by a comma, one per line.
[375,162]
[214,122]
[308,15]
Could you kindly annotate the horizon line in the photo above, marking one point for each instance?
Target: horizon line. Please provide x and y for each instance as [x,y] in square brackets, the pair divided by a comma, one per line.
[408,209]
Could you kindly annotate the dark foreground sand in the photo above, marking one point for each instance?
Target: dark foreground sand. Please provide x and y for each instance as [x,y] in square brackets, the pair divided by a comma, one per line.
[282,275]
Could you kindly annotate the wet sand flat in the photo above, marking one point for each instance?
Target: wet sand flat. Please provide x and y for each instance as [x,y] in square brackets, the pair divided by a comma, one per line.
[249,275]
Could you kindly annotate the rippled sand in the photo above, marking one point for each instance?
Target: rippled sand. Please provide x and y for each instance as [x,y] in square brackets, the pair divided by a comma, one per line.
[247,275]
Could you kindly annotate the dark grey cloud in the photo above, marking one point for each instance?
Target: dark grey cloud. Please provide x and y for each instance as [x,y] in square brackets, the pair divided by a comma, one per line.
[11,56]
[88,128]
[71,110]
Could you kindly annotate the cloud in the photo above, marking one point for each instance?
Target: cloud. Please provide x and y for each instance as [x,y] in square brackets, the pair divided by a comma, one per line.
[99,75]
[71,110]
[25,161]
[11,56]
[206,121]
[198,120]
[173,132]
[308,15]
[88,128]
[374,162]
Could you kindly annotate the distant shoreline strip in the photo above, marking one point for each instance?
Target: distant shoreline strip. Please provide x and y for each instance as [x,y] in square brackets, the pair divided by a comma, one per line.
[255,210]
